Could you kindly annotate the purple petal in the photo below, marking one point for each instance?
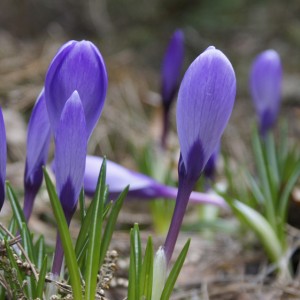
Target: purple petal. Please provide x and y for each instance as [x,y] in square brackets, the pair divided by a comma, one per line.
[205,101]
[265,87]
[70,153]
[117,177]
[38,139]
[210,167]
[3,157]
[141,186]
[171,67]
[77,66]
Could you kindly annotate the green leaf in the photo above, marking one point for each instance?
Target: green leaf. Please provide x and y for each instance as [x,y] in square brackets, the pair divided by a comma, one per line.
[272,164]
[85,227]
[283,201]
[147,271]
[261,227]
[110,225]
[40,251]
[65,238]
[92,265]
[263,175]
[255,189]
[135,264]
[14,265]
[2,293]
[28,247]
[15,205]
[27,243]
[41,281]
[82,205]
[169,286]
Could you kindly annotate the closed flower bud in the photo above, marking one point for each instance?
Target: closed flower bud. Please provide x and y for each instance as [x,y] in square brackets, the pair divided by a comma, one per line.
[77,66]
[265,88]
[38,139]
[205,101]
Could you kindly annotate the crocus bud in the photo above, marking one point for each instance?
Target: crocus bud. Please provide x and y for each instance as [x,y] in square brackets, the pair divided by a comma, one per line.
[38,139]
[171,69]
[265,88]
[77,66]
[3,157]
[70,153]
[159,274]
[141,186]
[205,101]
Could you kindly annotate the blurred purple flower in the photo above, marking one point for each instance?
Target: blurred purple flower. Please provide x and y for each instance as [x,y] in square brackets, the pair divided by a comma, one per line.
[77,66]
[70,153]
[205,102]
[171,69]
[140,185]
[3,157]
[265,88]
[38,139]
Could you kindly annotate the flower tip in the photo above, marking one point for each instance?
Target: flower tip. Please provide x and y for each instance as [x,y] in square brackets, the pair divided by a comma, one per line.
[211,48]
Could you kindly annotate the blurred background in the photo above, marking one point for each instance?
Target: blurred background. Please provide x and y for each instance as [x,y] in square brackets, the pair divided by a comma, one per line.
[132,36]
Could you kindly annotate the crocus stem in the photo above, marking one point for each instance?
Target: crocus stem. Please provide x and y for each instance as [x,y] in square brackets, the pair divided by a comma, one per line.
[185,188]
[59,252]
[195,197]
[165,129]
[28,203]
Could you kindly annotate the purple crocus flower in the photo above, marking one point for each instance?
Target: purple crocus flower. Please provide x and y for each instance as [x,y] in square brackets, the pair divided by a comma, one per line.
[205,102]
[3,157]
[171,69]
[77,66]
[70,153]
[265,87]
[140,185]
[38,139]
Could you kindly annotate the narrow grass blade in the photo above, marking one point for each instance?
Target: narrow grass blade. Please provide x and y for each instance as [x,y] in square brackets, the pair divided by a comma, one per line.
[261,227]
[82,208]
[27,243]
[283,201]
[135,264]
[255,190]
[147,271]
[85,226]
[263,175]
[40,252]
[15,205]
[94,246]
[14,266]
[28,247]
[65,238]
[42,277]
[272,163]
[2,293]
[110,225]
[170,283]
